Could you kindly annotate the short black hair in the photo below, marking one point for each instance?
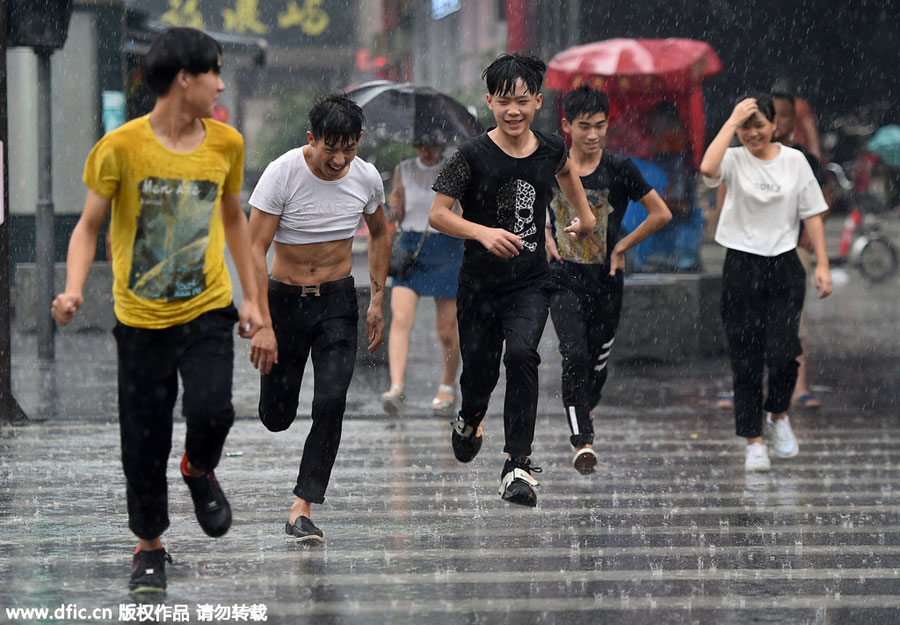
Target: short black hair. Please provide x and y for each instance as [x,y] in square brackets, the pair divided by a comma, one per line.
[764,103]
[585,101]
[336,119]
[787,96]
[176,49]
[501,75]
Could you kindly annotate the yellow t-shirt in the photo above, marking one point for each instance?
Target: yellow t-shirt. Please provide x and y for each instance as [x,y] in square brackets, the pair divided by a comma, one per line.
[168,242]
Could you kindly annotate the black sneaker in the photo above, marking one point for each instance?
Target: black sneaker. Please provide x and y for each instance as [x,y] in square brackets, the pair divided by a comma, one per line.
[516,482]
[466,440]
[148,571]
[304,530]
[212,509]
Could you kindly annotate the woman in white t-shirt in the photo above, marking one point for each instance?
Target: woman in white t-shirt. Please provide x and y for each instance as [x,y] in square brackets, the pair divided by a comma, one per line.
[771,189]
[434,274]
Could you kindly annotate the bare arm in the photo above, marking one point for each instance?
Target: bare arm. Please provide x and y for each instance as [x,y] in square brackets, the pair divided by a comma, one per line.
[264,346]
[396,200]
[379,259]
[550,242]
[82,247]
[815,226]
[711,165]
[570,184]
[497,241]
[238,239]
[658,215]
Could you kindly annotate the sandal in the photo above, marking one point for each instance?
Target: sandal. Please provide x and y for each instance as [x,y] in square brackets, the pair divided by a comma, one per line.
[725,400]
[392,402]
[442,407]
[807,401]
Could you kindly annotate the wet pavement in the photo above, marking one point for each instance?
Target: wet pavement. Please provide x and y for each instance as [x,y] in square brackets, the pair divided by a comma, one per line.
[669,530]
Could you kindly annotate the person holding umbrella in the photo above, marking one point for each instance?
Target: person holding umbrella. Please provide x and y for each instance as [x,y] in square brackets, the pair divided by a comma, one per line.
[434,274]
[503,181]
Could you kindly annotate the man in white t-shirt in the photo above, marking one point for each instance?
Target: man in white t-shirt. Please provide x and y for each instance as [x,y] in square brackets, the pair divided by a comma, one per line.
[309,202]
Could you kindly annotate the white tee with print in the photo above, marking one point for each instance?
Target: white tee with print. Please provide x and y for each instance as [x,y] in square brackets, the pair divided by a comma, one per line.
[766,200]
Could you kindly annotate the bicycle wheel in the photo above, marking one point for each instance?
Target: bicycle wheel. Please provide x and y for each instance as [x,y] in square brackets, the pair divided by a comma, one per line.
[877,260]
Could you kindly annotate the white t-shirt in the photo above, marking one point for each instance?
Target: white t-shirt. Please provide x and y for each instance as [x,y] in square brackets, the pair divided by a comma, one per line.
[313,210]
[766,200]
[418,195]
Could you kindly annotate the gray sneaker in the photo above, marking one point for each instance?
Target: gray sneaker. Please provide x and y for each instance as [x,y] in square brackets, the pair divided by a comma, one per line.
[393,401]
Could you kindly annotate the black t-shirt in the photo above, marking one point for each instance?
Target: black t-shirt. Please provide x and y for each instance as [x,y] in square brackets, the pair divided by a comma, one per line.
[813,162]
[497,190]
[608,188]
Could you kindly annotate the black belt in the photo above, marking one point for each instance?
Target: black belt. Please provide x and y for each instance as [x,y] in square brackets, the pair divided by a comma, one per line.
[344,284]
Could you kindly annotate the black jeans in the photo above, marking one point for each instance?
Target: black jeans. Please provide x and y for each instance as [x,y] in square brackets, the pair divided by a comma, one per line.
[586,324]
[325,326]
[761,302]
[202,351]
[486,320]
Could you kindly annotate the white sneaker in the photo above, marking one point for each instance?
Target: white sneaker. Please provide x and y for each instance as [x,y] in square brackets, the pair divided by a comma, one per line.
[757,458]
[784,443]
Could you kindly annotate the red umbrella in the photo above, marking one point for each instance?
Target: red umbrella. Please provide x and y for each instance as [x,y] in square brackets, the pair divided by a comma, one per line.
[638,74]
[637,64]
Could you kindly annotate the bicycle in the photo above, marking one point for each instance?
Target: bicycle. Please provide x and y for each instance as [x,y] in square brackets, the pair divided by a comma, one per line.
[863,245]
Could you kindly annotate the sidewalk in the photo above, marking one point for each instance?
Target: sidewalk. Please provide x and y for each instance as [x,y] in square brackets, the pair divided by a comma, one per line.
[669,530]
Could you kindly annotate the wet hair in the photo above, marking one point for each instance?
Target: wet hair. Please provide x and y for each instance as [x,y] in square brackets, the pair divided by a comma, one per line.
[336,118]
[501,75]
[786,96]
[765,104]
[585,101]
[431,138]
[176,49]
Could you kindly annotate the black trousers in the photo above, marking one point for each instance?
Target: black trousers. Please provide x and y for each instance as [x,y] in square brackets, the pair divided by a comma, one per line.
[586,324]
[202,352]
[487,319]
[324,326]
[761,302]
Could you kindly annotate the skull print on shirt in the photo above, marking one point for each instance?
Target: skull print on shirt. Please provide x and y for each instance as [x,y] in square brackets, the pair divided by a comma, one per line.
[515,211]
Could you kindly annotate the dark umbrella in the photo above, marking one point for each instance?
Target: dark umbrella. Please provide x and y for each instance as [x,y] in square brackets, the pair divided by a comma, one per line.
[413,114]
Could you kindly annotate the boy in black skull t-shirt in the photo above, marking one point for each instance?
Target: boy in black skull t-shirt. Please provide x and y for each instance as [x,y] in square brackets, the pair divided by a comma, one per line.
[503,180]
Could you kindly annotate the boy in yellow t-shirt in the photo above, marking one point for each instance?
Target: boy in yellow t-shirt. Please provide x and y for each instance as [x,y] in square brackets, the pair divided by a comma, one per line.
[172,179]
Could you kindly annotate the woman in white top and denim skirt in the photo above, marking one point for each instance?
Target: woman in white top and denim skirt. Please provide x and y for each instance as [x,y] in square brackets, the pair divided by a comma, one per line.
[434,274]
[771,189]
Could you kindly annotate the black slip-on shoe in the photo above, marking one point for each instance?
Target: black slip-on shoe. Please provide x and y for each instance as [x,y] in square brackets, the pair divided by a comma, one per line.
[305,531]
[212,509]
[516,482]
[148,572]
[465,440]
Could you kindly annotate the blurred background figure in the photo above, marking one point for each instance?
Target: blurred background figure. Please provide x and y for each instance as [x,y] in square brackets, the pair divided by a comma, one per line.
[786,130]
[805,133]
[671,151]
[434,274]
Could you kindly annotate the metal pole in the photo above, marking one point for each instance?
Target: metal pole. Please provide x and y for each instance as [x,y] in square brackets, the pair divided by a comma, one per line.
[45,248]
[9,407]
